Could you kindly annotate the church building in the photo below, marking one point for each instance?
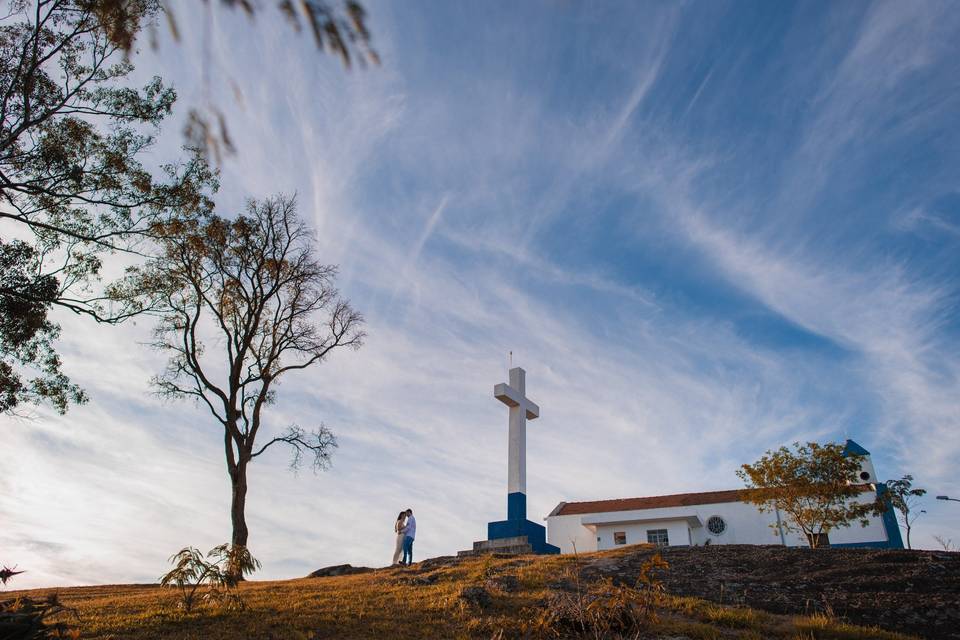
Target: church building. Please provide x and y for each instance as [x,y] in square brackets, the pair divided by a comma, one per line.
[712,517]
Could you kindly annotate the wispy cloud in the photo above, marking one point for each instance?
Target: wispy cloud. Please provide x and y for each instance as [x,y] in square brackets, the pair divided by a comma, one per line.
[478,208]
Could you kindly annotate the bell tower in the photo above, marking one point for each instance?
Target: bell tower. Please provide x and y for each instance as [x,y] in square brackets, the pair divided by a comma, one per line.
[867,474]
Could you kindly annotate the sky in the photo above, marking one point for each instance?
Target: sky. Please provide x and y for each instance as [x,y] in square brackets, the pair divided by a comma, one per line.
[705,229]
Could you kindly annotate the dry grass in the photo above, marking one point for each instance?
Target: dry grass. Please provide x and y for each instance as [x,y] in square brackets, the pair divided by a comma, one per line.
[418,602]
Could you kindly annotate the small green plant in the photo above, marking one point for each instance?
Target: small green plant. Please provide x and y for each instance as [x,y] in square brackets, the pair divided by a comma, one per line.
[219,571]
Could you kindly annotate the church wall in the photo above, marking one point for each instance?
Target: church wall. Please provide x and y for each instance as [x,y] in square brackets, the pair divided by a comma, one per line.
[744,524]
[873,532]
[566,531]
[678,533]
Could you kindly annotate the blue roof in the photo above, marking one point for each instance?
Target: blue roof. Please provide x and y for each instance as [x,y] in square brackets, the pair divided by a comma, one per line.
[854,448]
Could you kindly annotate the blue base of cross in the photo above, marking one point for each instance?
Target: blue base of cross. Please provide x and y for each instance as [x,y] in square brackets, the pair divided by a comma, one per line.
[517,524]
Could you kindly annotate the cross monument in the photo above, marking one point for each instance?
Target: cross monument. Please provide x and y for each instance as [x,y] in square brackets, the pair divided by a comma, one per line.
[516,534]
[513,394]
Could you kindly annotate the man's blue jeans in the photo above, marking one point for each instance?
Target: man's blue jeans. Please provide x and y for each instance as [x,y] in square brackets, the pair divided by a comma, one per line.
[407,550]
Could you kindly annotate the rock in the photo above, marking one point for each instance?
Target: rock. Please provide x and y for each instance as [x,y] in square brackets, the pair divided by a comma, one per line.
[563,584]
[897,589]
[339,570]
[506,583]
[440,561]
[476,596]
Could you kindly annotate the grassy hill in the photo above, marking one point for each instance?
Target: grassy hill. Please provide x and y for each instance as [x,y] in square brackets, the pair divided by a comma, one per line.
[595,595]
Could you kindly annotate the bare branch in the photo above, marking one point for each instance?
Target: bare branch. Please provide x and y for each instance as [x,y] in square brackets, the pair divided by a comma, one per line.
[318,445]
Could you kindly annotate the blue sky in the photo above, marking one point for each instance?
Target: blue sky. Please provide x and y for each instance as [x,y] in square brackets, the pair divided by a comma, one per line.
[705,230]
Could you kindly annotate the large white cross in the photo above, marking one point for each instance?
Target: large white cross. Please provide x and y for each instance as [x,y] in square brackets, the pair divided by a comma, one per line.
[521,409]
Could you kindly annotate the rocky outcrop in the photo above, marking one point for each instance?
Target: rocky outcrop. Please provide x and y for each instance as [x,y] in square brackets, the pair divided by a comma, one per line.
[476,596]
[915,592]
[339,570]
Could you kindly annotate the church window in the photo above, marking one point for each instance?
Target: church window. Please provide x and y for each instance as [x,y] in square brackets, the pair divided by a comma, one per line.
[658,537]
[864,475]
[716,525]
[619,537]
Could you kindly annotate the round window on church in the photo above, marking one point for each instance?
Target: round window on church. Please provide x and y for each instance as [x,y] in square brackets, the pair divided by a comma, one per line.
[864,475]
[716,525]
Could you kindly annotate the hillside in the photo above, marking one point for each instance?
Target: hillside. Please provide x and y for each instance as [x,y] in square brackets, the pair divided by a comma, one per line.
[804,594]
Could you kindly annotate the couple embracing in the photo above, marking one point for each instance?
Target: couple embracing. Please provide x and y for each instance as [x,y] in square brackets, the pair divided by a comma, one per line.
[406,529]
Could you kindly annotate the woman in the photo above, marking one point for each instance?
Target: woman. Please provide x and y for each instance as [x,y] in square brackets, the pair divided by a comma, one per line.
[398,527]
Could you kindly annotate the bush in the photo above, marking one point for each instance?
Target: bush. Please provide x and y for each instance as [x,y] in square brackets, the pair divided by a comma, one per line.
[605,609]
[25,618]
[220,571]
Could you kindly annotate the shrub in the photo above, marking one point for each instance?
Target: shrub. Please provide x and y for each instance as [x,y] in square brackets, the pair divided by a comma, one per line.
[25,618]
[605,609]
[219,571]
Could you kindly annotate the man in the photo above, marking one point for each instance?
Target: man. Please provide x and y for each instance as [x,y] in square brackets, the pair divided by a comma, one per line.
[409,533]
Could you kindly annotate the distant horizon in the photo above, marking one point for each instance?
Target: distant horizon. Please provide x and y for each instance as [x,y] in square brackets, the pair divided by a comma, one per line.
[704,231]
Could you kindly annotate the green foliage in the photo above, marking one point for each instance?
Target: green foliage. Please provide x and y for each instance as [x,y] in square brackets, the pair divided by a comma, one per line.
[72,187]
[219,572]
[815,485]
[27,334]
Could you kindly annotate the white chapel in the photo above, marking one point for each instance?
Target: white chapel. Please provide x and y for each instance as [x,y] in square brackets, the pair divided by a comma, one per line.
[712,517]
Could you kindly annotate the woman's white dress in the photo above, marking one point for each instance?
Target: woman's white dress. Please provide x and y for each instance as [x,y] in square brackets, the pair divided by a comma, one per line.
[399,550]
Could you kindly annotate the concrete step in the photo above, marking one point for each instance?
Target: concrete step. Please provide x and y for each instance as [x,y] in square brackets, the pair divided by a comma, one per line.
[517,545]
[518,550]
[500,542]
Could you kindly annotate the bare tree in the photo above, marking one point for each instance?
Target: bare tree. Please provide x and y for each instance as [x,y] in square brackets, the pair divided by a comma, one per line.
[946,543]
[252,290]
[905,498]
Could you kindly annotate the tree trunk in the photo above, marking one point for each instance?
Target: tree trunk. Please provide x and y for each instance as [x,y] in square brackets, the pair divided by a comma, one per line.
[908,537]
[238,479]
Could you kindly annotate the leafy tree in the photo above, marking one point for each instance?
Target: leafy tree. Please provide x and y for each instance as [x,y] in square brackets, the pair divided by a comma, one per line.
[905,499]
[815,485]
[72,187]
[242,303]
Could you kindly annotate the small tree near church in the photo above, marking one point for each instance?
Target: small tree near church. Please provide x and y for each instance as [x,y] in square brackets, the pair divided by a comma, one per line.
[815,486]
[242,303]
[905,498]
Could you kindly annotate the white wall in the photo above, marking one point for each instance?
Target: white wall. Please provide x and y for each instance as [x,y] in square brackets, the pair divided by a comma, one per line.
[677,532]
[566,531]
[745,525]
[874,531]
